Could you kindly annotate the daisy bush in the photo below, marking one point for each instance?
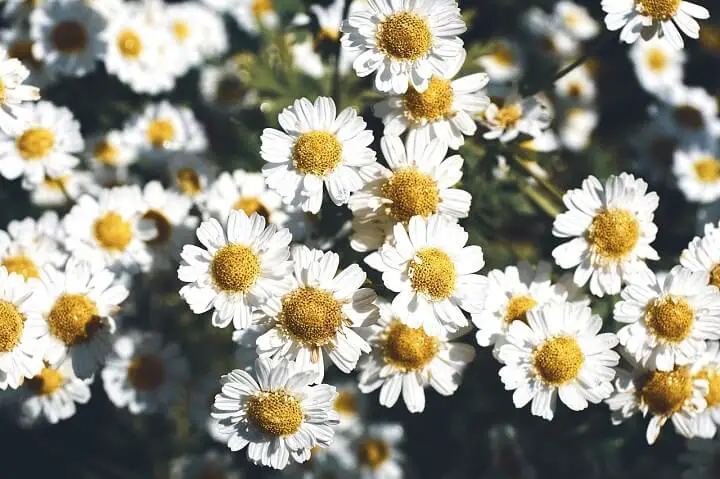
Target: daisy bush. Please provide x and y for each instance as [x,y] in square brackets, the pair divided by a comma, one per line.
[373,239]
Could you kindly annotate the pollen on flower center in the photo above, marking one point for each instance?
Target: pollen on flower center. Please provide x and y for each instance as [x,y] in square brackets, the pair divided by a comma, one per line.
[411,193]
[508,115]
[657,59]
[346,403]
[112,232]
[11,326]
[712,376]
[162,225]
[432,272]
[311,315]
[316,153]
[433,104]
[558,360]
[689,117]
[373,453]
[188,181]
[235,268]
[46,382]
[74,319]
[21,265]
[658,9]
[106,153]
[407,348]
[250,205]
[35,143]
[275,412]
[129,44]
[146,373]
[404,36]
[614,233]
[503,55]
[69,37]
[260,8]
[665,393]
[715,276]
[518,307]
[671,319]
[181,30]
[707,169]
[160,132]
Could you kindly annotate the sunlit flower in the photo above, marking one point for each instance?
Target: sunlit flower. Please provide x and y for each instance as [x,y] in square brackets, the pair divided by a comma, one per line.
[577,86]
[706,422]
[26,248]
[14,116]
[376,453]
[703,255]
[253,15]
[226,87]
[196,32]
[658,66]
[698,174]
[191,175]
[504,63]
[576,20]
[112,150]
[577,127]
[61,190]
[516,116]
[19,45]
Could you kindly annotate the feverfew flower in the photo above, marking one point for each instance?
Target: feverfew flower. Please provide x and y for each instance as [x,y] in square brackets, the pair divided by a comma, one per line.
[25,249]
[703,255]
[558,352]
[528,116]
[404,44]
[698,173]
[252,15]
[376,453]
[225,87]
[576,20]
[112,150]
[578,86]
[316,148]
[690,113]
[504,63]
[19,45]
[658,66]
[707,368]
[13,114]
[610,229]
[577,127]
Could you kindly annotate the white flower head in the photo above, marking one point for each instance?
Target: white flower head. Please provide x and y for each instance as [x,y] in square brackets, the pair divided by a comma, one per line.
[376,453]
[191,175]
[419,182]
[576,20]
[253,15]
[559,352]
[434,273]
[19,45]
[61,190]
[351,406]
[702,255]
[278,417]
[668,322]
[708,368]
[225,87]
[13,114]
[698,173]
[196,32]
[658,66]
[404,43]
[578,86]
[317,148]
[529,116]
[504,63]
[610,229]
[112,150]
[240,266]
[690,114]
[26,248]
[577,127]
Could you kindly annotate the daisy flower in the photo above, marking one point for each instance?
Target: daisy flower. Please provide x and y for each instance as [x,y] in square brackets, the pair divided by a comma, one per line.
[226,87]
[433,272]
[577,86]
[668,322]
[316,148]
[517,116]
[317,319]
[13,114]
[66,36]
[576,20]
[109,228]
[350,405]
[19,45]
[702,255]
[419,182]
[404,44]
[253,15]
[191,175]
[210,464]
[552,33]
[376,453]
[708,368]
[558,352]
[407,360]
[504,63]
[701,459]
[329,20]
[46,228]
[279,417]
[144,374]
[690,113]
[445,110]
[46,146]
[184,20]
[25,251]
[673,395]
[658,66]
[698,174]
[78,303]
[577,128]
[654,19]
[241,266]
[111,150]
[610,230]
[61,190]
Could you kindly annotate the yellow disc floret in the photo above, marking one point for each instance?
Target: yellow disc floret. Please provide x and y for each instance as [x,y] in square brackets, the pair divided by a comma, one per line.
[518,307]
[69,37]
[404,36]
[433,273]
[665,393]
[614,233]
[11,326]
[160,132]
[275,412]
[373,453]
[188,181]
[146,373]
[406,348]
[660,10]
[316,153]
[129,44]
[235,268]
[411,193]
[46,382]
[346,403]
[22,265]
[250,205]
[112,232]
[435,103]
[35,143]
[558,360]
[671,319]
[74,319]
[162,226]
[707,169]
[712,376]
[106,153]
[311,315]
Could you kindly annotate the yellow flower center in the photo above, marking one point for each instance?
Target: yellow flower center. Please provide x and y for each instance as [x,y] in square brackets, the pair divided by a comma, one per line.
[35,143]
[22,50]
[558,360]
[346,403]
[503,55]
[517,308]
[715,276]
[311,315]
[508,116]
[160,132]
[235,268]
[658,9]
[46,382]
[2,91]
[671,319]
[162,225]
[74,319]
[69,37]
[275,412]
[407,348]
[657,59]
[260,8]
[614,233]
[316,153]
[325,34]
[250,205]
[181,30]
[11,326]
[689,117]
[146,373]
[129,44]
[412,193]
[106,153]
[433,104]
[188,181]
[21,265]
[373,453]
[404,36]
[707,169]
[112,232]
[665,393]
[432,272]
[712,376]
[56,184]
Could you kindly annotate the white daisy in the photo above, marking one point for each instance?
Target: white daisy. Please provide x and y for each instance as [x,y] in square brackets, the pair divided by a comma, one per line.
[61,190]
[306,59]
[67,36]
[279,417]
[19,45]
[433,272]
[701,458]
[191,175]
[576,20]
[654,19]
[528,116]
[46,228]
[111,150]
[669,322]
[558,352]
[702,255]
[708,368]
[444,110]
[690,113]
[45,147]
[553,35]
[408,360]
[240,267]
[698,174]
[504,63]
[577,127]
[403,43]
[330,19]
[673,395]
[78,303]
[351,406]
[226,87]
[253,15]
[144,374]
[209,465]
[577,86]
[196,31]
[419,182]
[25,250]
[318,147]
[610,230]
[658,66]
[14,115]
[376,454]
[109,228]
